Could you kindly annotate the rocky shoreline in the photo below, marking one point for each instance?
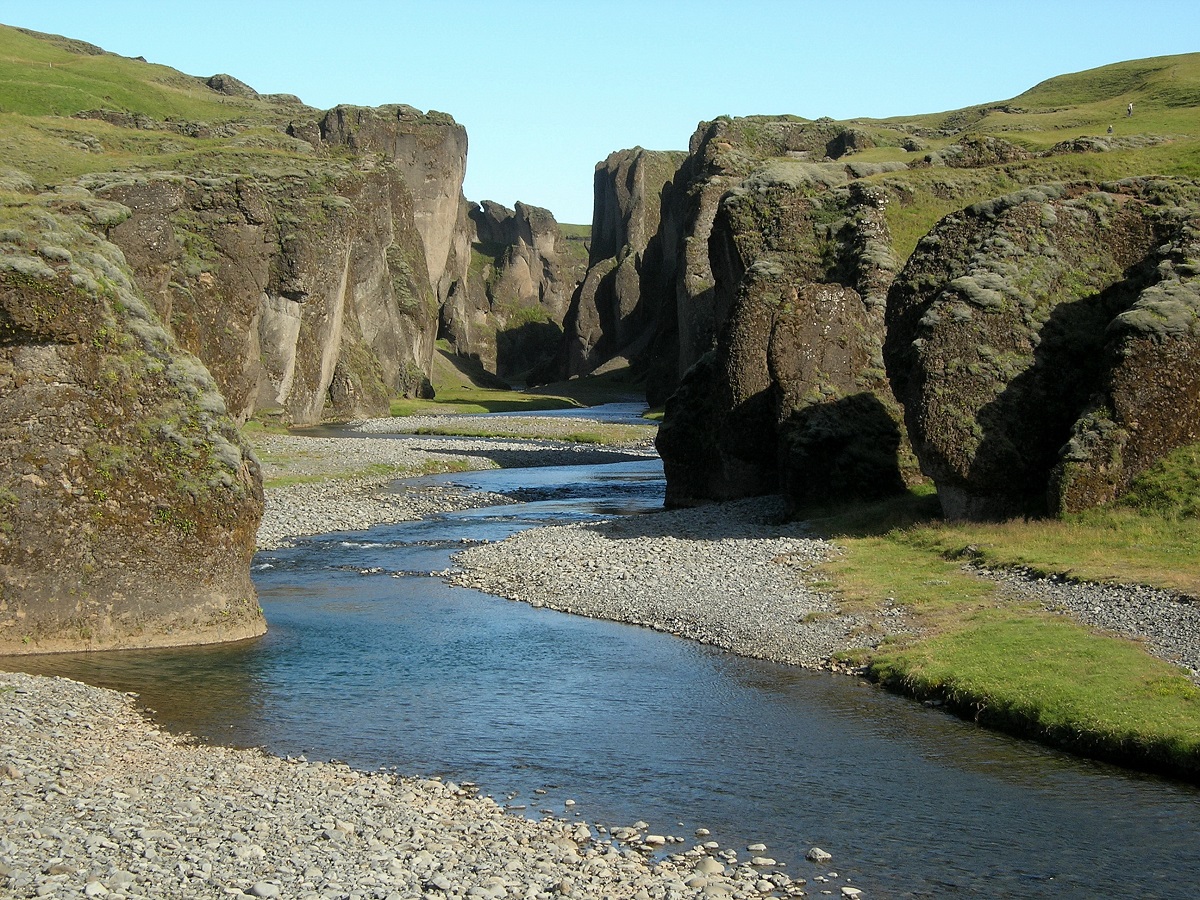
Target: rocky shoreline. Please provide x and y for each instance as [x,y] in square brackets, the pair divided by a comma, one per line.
[324,489]
[732,575]
[97,802]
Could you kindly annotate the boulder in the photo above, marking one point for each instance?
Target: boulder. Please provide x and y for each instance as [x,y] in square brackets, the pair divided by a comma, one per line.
[129,503]
[1046,345]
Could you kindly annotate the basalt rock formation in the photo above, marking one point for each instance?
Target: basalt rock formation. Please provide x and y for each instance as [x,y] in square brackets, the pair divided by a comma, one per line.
[792,234]
[776,330]
[269,256]
[724,154]
[1046,344]
[516,270]
[128,501]
[312,290]
[315,305]
[793,396]
[631,263]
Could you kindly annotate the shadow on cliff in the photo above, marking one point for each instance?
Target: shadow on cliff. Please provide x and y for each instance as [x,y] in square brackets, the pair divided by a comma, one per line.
[1026,426]
[531,347]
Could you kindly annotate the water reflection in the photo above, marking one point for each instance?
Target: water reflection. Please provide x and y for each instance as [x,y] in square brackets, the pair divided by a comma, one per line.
[197,690]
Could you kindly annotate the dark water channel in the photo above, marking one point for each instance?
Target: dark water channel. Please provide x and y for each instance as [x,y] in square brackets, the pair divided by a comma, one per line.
[372,662]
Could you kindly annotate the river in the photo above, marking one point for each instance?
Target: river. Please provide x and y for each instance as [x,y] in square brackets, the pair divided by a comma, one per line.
[373,660]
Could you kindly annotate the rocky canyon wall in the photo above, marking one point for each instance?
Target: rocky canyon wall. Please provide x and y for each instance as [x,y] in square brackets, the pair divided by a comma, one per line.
[1046,344]
[515,271]
[635,235]
[128,500]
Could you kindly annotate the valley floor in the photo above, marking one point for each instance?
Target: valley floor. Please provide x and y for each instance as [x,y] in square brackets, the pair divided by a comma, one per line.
[732,575]
[96,801]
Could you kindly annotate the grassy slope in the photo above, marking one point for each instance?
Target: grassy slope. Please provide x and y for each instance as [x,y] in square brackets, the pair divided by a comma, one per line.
[1165,92]
[45,81]
[1011,664]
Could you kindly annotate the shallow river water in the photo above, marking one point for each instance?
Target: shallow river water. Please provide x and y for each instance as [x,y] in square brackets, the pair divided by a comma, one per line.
[372,660]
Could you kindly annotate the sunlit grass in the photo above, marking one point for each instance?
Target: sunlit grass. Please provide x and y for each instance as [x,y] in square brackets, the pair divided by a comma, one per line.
[1010,663]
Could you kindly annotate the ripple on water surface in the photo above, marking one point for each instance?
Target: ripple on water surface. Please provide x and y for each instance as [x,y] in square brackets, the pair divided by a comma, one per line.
[389,669]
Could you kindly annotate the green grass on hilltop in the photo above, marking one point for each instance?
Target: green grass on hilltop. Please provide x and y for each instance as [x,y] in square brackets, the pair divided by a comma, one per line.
[44,83]
[43,77]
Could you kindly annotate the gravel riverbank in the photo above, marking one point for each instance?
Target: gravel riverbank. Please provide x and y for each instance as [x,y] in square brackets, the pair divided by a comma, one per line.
[320,484]
[97,802]
[730,575]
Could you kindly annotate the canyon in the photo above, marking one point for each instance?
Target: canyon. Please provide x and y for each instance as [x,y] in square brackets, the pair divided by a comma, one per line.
[831,311]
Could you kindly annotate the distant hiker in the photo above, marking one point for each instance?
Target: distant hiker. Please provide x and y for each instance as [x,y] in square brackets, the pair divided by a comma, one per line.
[1110,129]
[1129,111]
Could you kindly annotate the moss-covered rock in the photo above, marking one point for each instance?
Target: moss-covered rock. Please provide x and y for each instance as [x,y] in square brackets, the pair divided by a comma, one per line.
[128,500]
[1045,344]
[284,284]
[793,397]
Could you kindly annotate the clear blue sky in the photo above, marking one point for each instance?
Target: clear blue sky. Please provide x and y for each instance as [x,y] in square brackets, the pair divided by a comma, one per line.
[547,88]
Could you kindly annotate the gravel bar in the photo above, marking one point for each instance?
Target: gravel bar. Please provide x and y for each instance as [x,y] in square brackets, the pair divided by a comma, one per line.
[329,491]
[97,802]
[732,575]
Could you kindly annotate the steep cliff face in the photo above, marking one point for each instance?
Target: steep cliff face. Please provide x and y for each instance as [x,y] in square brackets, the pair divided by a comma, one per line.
[770,346]
[128,501]
[792,397]
[516,272]
[305,292]
[722,155]
[631,263]
[1046,345]
[309,286]
[429,153]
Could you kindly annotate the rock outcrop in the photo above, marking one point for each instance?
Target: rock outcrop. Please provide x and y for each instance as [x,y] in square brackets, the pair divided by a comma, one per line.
[318,304]
[722,155]
[631,262]
[1046,344]
[772,337]
[128,501]
[429,153]
[793,397]
[310,288]
[515,272]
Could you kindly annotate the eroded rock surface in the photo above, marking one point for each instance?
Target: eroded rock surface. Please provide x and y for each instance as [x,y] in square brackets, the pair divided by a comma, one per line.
[1046,345]
[128,501]
[313,303]
[792,397]
[517,270]
[631,264]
